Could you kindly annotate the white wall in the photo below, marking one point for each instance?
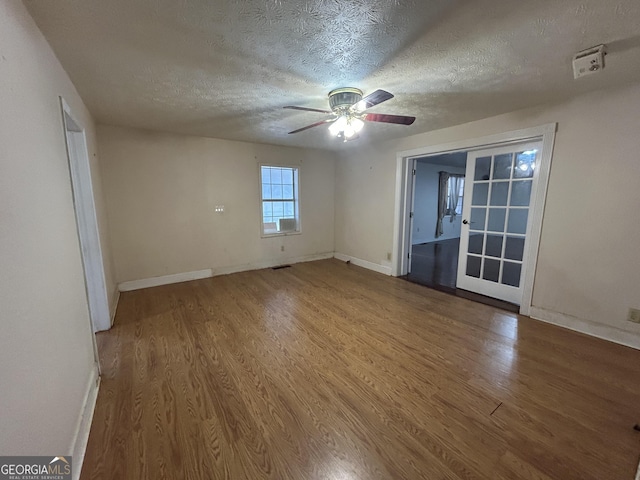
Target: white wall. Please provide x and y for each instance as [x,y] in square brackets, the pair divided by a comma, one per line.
[161,190]
[587,274]
[46,354]
[425,209]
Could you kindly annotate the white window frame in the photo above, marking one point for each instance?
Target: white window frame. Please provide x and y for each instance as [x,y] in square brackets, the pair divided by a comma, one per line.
[296,200]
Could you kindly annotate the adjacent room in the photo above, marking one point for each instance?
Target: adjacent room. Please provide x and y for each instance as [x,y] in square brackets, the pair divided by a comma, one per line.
[321,239]
[437,197]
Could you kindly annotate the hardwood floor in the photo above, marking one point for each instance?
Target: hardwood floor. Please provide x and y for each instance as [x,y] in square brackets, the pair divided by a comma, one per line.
[435,265]
[329,371]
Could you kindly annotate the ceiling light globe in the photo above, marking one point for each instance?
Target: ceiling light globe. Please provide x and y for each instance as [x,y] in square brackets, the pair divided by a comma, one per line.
[349,131]
[357,124]
[341,123]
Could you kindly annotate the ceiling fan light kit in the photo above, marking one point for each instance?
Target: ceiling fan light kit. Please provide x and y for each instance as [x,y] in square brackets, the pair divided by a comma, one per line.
[343,98]
[347,112]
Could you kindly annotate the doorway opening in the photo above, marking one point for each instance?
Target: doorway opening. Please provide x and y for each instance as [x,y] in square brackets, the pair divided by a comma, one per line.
[436,227]
[435,235]
[87,224]
[485,212]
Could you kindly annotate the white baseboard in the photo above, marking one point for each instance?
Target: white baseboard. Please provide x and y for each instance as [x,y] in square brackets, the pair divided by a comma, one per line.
[81,437]
[269,264]
[606,332]
[213,272]
[164,280]
[364,263]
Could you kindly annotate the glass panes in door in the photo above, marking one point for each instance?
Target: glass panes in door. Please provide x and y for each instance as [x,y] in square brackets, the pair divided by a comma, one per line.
[500,183]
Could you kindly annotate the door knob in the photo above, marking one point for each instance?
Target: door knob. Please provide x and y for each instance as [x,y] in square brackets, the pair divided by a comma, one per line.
[466,222]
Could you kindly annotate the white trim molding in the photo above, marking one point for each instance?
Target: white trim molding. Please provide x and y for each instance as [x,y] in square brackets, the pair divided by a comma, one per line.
[270,263]
[214,272]
[164,280]
[363,263]
[605,332]
[81,437]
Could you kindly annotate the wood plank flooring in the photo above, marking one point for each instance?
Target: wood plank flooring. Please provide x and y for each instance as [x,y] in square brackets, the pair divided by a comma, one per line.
[435,265]
[329,371]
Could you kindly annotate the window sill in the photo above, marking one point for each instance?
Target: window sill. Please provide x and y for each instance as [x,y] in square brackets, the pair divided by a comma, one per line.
[279,234]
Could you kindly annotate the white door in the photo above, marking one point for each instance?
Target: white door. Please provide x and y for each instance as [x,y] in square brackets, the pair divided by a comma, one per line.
[496,220]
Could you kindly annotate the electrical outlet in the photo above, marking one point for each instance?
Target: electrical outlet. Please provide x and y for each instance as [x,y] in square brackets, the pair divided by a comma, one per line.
[634,315]
[282,248]
[389,256]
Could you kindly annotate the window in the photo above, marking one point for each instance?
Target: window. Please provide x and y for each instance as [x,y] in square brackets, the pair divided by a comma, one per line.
[280,209]
[454,202]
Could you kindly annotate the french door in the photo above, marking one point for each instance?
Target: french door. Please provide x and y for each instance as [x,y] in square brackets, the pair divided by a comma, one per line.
[496,220]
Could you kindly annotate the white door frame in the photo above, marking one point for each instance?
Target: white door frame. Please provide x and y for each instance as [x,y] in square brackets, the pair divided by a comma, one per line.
[411,195]
[402,224]
[86,221]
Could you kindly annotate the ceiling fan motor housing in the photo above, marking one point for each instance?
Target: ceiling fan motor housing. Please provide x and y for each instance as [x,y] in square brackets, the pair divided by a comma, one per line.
[342,98]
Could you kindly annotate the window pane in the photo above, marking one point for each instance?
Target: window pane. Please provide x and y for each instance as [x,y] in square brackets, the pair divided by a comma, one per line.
[287,176]
[475,244]
[494,246]
[525,163]
[477,218]
[483,166]
[499,193]
[521,193]
[278,209]
[473,266]
[511,274]
[276,191]
[276,175]
[502,166]
[518,220]
[491,269]
[288,209]
[514,248]
[266,191]
[266,209]
[480,194]
[496,219]
[287,191]
[266,174]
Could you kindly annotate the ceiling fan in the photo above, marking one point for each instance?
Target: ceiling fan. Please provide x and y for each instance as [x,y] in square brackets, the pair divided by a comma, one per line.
[348,112]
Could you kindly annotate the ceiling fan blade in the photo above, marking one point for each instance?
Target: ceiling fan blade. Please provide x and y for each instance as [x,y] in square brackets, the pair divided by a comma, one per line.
[305,109]
[385,118]
[371,100]
[317,124]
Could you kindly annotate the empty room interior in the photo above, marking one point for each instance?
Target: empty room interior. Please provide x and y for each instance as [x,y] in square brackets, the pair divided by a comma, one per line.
[321,239]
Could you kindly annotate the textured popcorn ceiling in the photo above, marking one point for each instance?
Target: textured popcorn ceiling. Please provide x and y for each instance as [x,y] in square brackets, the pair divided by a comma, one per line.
[225,69]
